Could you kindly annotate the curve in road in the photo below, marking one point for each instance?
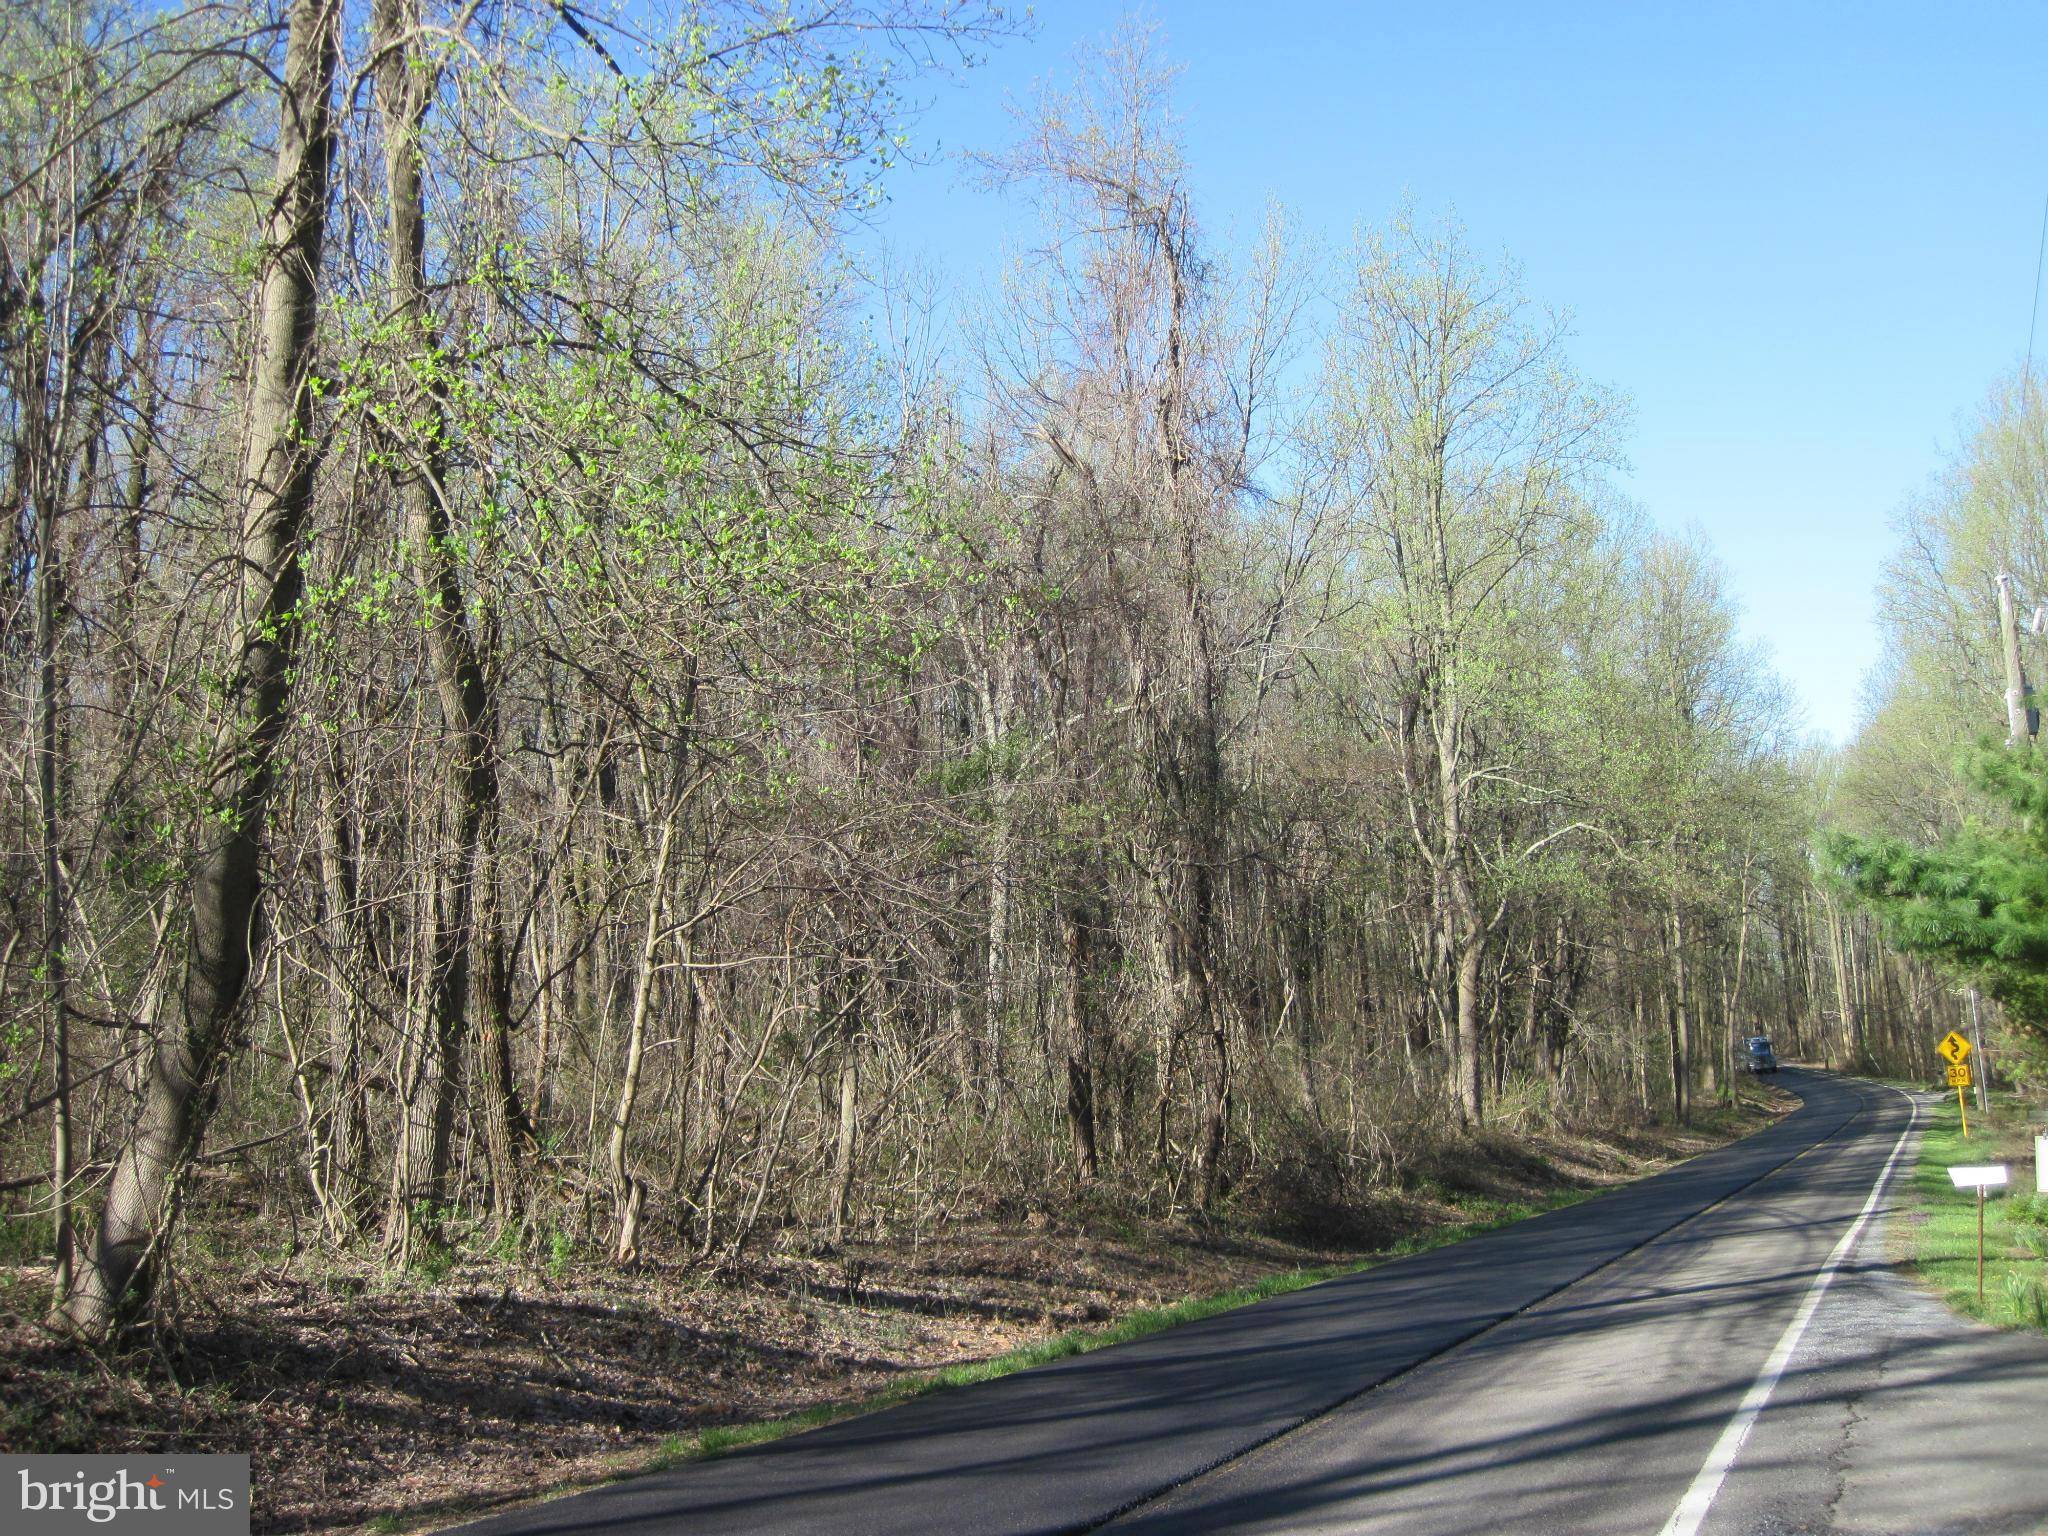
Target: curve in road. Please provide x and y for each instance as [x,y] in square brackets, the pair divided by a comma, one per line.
[1581,1366]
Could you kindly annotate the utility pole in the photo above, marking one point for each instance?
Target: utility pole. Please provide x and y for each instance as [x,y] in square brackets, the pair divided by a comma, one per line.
[2021,721]
[1983,1072]
[2021,724]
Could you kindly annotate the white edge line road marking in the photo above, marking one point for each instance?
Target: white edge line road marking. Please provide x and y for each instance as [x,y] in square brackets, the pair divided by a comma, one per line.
[1699,1498]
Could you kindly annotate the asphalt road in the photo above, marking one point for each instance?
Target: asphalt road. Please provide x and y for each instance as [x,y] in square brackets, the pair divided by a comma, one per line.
[1588,1371]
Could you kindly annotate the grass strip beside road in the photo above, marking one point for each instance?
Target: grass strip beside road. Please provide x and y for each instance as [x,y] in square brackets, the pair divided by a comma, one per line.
[1941,1220]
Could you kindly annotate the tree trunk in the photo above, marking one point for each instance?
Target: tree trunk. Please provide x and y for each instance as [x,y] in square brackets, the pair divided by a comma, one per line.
[1731,1009]
[1681,1022]
[1079,1052]
[626,1191]
[1471,1034]
[1465,934]
[406,81]
[1852,1026]
[509,1134]
[1641,1036]
[1535,1039]
[849,1122]
[1564,984]
[998,706]
[49,497]
[347,1134]
[277,488]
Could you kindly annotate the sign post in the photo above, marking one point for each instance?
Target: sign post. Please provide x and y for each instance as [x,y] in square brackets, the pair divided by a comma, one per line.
[1981,1178]
[1955,1050]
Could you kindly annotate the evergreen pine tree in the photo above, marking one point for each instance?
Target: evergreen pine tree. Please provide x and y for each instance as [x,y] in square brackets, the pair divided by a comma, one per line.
[1976,903]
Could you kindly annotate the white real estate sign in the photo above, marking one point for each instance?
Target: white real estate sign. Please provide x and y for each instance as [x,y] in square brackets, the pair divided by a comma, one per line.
[1986,1176]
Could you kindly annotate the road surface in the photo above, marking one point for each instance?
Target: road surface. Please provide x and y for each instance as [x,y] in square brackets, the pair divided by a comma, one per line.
[1716,1350]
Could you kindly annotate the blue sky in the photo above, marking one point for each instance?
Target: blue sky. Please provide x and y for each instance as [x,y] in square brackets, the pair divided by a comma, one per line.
[1800,237]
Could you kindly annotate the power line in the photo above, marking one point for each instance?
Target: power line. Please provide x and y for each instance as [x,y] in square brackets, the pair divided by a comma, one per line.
[2034,320]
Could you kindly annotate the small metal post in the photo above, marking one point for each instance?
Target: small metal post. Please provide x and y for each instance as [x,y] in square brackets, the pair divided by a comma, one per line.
[1980,1245]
